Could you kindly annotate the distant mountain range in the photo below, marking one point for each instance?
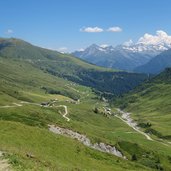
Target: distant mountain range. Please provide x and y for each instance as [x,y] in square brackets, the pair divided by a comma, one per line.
[156,64]
[38,87]
[128,56]
[67,67]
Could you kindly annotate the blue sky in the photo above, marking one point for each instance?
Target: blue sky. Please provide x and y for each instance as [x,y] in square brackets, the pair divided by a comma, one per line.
[63,23]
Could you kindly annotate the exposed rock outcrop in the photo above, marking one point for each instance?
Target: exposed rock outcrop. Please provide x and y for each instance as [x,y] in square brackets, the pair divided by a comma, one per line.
[86,141]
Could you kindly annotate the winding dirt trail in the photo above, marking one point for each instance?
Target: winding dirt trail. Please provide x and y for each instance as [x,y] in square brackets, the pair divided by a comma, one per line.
[65,113]
[11,106]
[125,117]
[19,104]
[22,103]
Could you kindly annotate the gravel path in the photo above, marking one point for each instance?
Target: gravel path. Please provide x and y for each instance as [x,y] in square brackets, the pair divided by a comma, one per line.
[11,106]
[65,113]
[19,104]
[125,117]
[37,104]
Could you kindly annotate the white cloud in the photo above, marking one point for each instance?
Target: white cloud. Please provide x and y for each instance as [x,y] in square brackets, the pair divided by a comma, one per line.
[9,31]
[98,29]
[159,42]
[114,29]
[161,37]
[128,43]
[91,29]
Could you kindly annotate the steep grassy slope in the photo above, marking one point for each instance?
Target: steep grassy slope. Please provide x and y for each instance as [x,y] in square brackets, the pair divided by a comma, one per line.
[52,152]
[24,128]
[150,103]
[24,133]
[20,80]
[68,67]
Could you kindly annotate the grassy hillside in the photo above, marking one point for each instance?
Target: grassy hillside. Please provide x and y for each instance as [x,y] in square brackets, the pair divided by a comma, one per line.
[68,67]
[24,131]
[21,80]
[150,103]
[25,83]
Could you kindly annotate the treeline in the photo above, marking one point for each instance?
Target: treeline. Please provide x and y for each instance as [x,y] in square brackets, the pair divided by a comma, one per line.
[116,83]
[70,94]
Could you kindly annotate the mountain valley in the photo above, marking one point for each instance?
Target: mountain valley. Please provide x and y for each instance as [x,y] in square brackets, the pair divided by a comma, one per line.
[40,88]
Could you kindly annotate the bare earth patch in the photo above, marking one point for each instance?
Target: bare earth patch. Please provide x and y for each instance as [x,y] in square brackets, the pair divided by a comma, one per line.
[4,165]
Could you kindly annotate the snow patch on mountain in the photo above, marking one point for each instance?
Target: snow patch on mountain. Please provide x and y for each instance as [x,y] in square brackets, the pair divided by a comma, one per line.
[128,55]
[104,46]
[156,43]
[148,43]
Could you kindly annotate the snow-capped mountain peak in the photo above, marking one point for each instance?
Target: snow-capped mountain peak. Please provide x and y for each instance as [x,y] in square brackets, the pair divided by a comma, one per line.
[98,48]
[104,46]
[154,43]
[128,55]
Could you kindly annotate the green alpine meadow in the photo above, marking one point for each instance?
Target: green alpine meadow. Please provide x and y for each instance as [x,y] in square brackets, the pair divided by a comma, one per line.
[85,86]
